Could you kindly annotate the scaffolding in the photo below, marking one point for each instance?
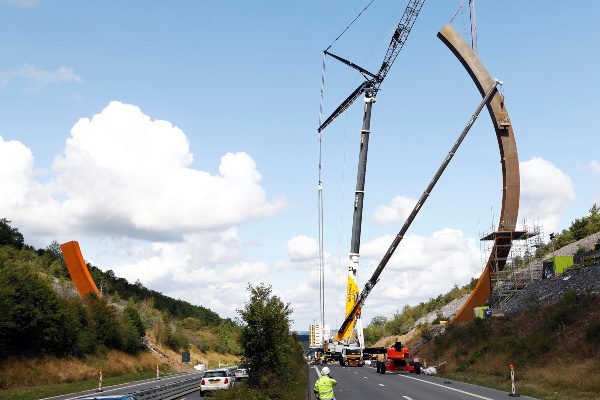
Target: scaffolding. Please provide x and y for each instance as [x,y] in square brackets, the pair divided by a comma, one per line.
[514,262]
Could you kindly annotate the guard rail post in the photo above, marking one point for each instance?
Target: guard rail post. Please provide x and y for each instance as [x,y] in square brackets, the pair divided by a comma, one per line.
[513,392]
[157,373]
[100,383]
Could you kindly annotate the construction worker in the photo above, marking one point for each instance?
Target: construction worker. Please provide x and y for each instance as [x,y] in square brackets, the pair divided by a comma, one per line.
[324,385]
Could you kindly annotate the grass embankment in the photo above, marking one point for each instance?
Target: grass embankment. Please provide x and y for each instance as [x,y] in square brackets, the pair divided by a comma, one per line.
[37,378]
[555,350]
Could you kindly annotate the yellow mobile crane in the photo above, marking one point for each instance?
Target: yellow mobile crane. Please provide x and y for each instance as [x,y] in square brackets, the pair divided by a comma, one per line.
[348,343]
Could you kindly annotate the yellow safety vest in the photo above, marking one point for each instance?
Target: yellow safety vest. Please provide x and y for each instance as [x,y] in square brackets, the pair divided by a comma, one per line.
[324,387]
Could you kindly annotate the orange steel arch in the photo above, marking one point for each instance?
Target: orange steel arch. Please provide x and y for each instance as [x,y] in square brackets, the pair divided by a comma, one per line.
[510,172]
[79,272]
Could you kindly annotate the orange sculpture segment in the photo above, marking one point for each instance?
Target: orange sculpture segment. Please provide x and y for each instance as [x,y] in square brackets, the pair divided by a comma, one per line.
[511,186]
[79,272]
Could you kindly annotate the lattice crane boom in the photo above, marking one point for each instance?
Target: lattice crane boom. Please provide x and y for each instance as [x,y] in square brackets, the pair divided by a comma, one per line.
[413,8]
[373,81]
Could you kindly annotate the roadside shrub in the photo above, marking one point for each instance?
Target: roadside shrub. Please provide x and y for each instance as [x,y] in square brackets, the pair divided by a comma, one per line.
[177,341]
[425,331]
[570,307]
[593,331]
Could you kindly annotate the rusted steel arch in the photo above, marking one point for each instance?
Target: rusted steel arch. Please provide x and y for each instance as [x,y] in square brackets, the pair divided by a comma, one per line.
[79,272]
[510,171]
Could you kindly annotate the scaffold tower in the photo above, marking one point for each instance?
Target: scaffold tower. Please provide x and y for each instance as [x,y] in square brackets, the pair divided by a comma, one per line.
[516,251]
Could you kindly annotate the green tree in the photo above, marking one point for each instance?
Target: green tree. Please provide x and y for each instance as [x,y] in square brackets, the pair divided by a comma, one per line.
[104,321]
[10,236]
[132,315]
[269,347]
[32,317]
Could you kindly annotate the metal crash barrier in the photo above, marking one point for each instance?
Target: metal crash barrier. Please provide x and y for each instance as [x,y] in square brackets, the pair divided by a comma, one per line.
[171,391]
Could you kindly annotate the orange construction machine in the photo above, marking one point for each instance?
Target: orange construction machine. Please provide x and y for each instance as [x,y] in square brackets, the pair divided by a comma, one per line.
[398,359]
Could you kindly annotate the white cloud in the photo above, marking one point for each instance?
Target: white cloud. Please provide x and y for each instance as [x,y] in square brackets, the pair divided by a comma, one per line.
[37,78]
[398,209]
[546,192]
[123,172]
[302,248]
[16,174]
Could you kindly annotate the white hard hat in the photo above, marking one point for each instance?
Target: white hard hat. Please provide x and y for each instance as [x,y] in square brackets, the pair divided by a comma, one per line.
[325,371]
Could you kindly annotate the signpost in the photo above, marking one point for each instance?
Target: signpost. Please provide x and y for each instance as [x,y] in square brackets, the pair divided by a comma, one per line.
[185,357]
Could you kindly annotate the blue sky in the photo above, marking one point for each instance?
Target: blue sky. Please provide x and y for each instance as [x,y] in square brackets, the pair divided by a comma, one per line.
[176,141]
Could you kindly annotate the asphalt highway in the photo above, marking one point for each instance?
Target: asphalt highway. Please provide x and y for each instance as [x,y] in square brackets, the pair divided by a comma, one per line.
[366,383]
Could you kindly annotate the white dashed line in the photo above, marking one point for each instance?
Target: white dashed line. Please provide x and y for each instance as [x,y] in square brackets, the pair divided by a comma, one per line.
[449,388]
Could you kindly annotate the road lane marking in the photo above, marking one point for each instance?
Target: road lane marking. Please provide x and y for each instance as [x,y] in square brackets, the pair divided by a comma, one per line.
[381,384]
[407,398]
[449,388]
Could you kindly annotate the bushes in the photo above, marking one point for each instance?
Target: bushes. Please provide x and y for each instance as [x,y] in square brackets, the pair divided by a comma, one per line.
[35,320]
[570,308]
[593,332]
[274,355]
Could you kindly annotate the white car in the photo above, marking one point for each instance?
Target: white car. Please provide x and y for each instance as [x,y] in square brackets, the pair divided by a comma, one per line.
[216,379]
[241,373]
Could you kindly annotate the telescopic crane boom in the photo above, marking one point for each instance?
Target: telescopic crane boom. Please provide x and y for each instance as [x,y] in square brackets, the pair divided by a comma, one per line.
[369,87]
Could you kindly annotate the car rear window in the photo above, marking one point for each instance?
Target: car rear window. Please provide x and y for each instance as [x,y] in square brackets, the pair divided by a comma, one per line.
[215,374]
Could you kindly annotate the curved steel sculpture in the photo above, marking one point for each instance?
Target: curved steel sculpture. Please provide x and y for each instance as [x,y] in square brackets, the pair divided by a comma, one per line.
[79,272]
[510,172]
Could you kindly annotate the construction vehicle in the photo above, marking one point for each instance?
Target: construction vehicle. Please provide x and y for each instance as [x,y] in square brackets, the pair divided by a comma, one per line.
[398,359]
[350,336]
[352,357]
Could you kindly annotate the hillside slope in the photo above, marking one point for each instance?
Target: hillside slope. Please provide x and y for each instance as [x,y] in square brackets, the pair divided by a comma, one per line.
[555,349]
[549,331]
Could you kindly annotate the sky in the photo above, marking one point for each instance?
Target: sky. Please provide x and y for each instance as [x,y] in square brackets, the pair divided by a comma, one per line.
[176,141]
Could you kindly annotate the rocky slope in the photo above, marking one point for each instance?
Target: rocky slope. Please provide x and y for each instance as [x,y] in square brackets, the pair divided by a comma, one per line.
[543,291]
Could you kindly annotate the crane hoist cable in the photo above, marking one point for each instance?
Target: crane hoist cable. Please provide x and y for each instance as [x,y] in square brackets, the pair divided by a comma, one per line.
[473,19]
[472,23]
[320,208]
[349,25]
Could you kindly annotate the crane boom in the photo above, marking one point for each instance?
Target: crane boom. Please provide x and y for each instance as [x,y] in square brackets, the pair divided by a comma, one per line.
[370,86]
[356,309]
[373,82]
[399,37]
